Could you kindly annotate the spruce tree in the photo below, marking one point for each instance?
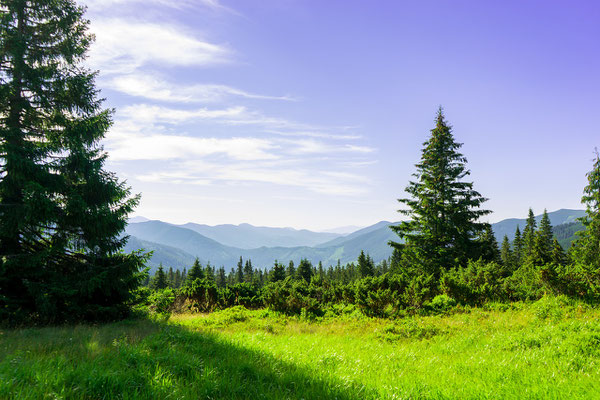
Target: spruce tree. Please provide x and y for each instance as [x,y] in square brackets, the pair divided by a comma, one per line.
[160,280]
[488,245]
[305,270]
[529,234]
[546,235]
[196,272]
[291,270]
[61,213]
[239,274]
[517,249]
[366,266]
[248,271]
[221,278]
[586,248]
[557,256]
[506,254]
[278,272]
[443,209]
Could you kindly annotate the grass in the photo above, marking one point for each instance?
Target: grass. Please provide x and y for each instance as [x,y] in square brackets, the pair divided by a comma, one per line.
[545,350]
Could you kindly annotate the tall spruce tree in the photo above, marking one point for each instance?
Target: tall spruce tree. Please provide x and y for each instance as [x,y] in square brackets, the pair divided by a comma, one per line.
[546,235]
[443,209]
[196,272]
[160,280]
[239,273]
[61,213]
[305,270]
[586,248]
[506,254]
[517,248]
[529,234]
[488,245]
[366,267]
[277,273]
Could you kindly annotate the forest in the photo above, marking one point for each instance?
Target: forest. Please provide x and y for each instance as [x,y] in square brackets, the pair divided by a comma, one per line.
[452,313]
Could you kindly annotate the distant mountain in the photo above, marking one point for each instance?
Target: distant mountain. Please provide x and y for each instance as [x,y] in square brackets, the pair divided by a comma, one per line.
[246,236]
[162,254]
[164,239]
[378,226]
[177,246]
[559,217]
[343,230]
[139,218]
[184,239]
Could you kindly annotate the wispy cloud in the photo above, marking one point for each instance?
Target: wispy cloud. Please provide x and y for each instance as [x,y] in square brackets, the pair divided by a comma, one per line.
[154,87]
[123,46]
[178,4]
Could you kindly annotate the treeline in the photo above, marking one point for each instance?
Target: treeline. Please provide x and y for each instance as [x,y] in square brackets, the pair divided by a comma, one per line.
[246,273]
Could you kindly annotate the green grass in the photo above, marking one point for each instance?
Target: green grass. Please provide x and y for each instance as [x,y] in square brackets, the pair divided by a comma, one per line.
[546,350]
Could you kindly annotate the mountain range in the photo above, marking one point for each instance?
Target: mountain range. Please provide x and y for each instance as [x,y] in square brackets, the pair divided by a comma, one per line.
[178,246]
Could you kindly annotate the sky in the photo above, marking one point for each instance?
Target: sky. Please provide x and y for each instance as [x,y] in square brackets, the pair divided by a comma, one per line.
[312,114]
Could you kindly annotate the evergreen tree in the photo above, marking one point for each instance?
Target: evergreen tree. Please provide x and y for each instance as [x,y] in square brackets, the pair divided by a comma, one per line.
[320,271]
[171,277]
[61,213]
[517,248]
[488,245]
[177,279]
[209,272]
[546,235]
[239,275]
[365,265]
[529,234]
[278,272]
[443,209]
[506,254]
[160,281]
[196,272]
[291,271]
[557,256]
[305,270]
[586,248]
[221,278]
[248,271]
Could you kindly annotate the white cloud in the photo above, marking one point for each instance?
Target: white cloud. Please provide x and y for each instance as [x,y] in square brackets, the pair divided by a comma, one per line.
[109,4]
[153,114]
[165,147]
[123,46]
[153,87]
[259,172]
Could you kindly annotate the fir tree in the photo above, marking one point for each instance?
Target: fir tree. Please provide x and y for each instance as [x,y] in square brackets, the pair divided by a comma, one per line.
[365,265]
[443,208]
[488,245]
[586,248]
[557,256]
[278,272]
[61,213]
[291,271]
[209,272]
[517,248]
[160,281]
[529,234]
[239,275]
[196,272]
[305,270]
[221,278]
[248,271]
[506,254]
[546,235]
[171,277]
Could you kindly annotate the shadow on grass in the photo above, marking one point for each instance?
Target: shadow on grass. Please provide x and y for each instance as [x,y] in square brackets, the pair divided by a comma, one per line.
[151,360]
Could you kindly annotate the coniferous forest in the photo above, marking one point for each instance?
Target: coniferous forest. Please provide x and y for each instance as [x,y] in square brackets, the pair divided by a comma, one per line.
[453,313]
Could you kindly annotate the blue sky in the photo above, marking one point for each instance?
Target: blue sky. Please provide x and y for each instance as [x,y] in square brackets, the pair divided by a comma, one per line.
[311,114]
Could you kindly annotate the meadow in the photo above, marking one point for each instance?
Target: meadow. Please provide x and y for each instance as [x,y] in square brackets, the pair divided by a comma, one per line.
[549,349]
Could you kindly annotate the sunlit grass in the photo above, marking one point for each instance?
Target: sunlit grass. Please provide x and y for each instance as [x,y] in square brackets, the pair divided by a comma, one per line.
[550,349]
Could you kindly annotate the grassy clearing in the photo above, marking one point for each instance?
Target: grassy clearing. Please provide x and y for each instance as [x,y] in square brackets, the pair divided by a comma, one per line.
[549,349]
